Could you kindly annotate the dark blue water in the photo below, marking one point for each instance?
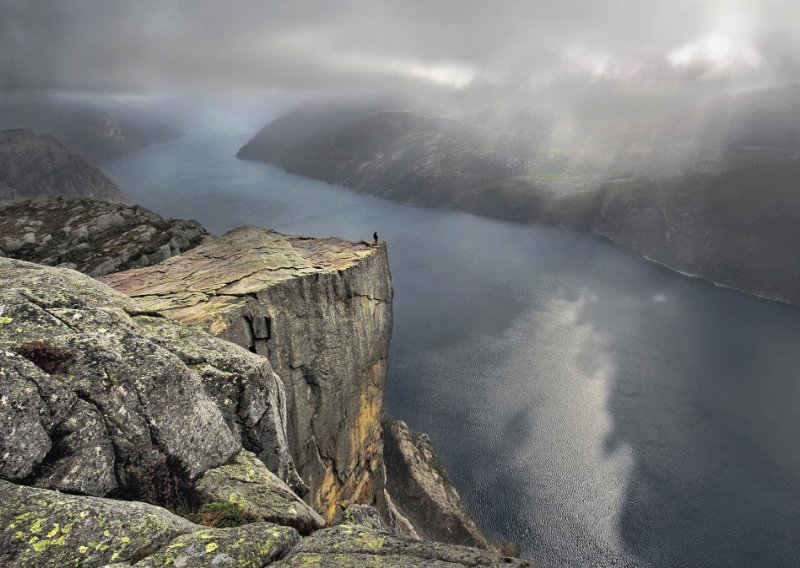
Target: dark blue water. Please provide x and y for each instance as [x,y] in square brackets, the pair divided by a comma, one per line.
[594,408]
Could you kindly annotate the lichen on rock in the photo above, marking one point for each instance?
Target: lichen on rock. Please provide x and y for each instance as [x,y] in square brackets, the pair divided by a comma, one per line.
[258,493]
[137,407]
[352,545]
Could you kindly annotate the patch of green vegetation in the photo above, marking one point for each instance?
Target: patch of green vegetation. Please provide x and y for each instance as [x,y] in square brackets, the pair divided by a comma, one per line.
[220,514]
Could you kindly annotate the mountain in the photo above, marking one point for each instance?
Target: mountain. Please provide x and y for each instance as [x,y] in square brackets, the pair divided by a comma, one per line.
[36,164]
[400,154]
[96,131]
[714,194]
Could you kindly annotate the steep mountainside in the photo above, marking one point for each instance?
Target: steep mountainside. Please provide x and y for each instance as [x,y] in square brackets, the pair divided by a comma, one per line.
[33,165]
[738,228]
[731,219]
[395,153]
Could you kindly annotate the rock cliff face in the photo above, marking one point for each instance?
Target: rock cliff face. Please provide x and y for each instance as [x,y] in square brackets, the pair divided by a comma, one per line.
[32,165]
[95,237]
[320,311]
[101,397]
[419,485]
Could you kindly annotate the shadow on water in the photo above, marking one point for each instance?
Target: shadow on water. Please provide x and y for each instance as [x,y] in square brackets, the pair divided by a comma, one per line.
[712,432]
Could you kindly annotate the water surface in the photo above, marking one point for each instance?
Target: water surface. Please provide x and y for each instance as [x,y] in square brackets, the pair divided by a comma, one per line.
[594,408]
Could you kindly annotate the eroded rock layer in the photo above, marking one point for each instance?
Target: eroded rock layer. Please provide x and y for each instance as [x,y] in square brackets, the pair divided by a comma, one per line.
[320,310]
[95,237]
[422,491]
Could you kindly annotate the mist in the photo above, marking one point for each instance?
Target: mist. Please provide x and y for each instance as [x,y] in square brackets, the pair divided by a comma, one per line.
[247,44]
[585,73]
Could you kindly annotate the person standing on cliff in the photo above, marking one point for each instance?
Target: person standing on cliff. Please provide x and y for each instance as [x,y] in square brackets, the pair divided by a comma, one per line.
[375,236]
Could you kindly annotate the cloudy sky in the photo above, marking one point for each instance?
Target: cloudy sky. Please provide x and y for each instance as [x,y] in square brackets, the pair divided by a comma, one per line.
[134,45]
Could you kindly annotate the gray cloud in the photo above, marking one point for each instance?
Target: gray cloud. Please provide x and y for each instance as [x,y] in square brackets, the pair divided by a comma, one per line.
[527,45]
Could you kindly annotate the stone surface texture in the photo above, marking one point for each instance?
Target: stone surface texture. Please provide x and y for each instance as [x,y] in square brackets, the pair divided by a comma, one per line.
[422,491]
[46,528]
[37,164]
[95,237]
[258,493]
[97,398]
[320,311]
[353,545]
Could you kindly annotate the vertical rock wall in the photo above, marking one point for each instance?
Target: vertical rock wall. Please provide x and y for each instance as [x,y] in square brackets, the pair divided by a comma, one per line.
[320,310]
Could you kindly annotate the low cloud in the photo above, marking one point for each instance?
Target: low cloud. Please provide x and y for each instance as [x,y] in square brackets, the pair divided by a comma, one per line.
[147,45]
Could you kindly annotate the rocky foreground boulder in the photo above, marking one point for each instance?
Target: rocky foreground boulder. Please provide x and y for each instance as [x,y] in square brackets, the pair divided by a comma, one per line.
[36,164]
[100,397]
[94,237]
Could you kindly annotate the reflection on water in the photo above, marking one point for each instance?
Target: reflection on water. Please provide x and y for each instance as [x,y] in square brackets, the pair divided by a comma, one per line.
[594,408]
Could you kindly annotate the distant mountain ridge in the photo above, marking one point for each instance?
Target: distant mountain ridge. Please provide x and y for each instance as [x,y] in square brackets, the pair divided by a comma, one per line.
[96,131]
[724,206]
[36,164]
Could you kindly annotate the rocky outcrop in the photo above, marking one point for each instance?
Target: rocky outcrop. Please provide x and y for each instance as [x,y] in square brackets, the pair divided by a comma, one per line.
[94,237]
[257,492]
[40,527]
[46,528]
[100,398]
[353,545]
[33,165]
[320,311]
[422,491]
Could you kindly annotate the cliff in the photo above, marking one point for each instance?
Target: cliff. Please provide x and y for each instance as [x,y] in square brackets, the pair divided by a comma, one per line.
[94,237]
[422,490]
[33,165]
[320,311]
[101,397]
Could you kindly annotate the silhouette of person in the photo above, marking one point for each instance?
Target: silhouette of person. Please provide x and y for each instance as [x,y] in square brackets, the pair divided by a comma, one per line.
[375,236]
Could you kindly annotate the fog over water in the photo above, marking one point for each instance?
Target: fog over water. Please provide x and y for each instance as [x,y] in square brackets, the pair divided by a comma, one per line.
[597,409]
